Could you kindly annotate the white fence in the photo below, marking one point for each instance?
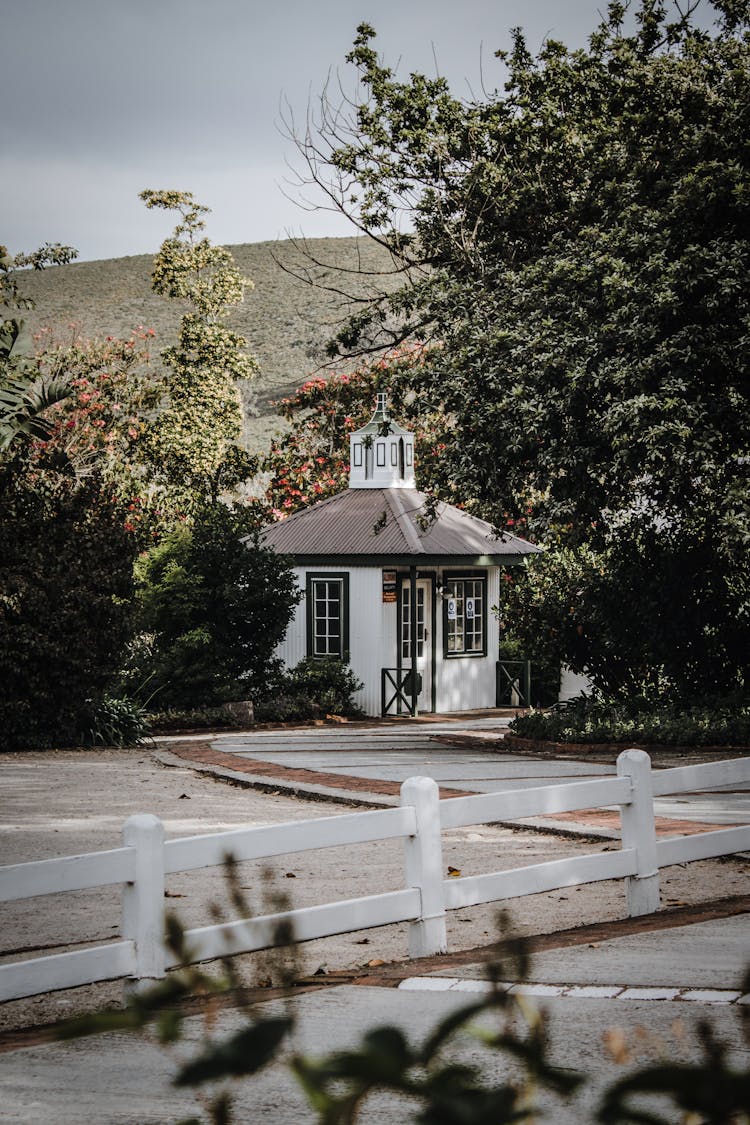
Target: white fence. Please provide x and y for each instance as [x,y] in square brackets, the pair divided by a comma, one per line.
[146,858]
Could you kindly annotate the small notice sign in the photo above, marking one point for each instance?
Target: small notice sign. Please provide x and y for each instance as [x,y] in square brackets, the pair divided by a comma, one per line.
[389,585]
[469,609]
[451,609]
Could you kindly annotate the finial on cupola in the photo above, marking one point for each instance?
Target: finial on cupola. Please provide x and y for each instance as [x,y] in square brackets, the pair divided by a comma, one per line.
[381,453]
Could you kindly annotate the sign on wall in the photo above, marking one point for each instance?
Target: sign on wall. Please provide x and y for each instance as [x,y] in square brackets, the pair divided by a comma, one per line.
[389,585]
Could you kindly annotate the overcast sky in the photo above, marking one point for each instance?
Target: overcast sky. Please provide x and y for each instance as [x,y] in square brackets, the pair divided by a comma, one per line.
[103,98]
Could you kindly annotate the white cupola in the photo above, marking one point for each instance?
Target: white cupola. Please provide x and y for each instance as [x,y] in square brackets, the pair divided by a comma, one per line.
[381,453]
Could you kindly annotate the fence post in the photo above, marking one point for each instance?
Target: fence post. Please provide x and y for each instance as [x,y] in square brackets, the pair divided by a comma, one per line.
[424,867]
[639,832]
[143,899]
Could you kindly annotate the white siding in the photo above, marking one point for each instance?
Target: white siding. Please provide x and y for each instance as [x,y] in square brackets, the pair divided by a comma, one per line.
[461,683]
[573,684]
[372,630]
[293,648]
[372,634]
[465,683]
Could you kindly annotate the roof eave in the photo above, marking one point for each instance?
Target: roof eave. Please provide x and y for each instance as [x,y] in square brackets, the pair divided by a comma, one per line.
[389,561]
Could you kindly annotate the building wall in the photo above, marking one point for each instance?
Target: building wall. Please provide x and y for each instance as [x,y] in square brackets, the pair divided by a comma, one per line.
[372,630]
[573,684]
[462,683]
[466,683]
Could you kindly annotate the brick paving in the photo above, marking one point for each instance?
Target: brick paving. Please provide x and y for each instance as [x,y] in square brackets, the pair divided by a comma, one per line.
[204,754]
[207,756]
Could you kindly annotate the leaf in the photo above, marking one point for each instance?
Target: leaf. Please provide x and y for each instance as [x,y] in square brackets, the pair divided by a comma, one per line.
[454,872]
[244,1053]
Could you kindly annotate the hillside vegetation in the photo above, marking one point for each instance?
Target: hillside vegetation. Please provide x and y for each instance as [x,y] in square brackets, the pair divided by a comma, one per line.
[286,321]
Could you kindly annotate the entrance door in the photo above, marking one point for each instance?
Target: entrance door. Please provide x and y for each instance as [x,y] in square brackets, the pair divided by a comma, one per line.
[424,640]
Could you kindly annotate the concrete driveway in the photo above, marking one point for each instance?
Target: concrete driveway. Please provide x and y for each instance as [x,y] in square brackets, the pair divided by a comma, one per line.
[460,753]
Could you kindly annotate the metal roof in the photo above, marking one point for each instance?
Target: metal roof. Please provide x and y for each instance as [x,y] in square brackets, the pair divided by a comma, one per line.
[390,525]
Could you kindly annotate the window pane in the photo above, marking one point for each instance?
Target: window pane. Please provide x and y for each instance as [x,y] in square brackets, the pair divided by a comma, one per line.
[326,624]
[465,626]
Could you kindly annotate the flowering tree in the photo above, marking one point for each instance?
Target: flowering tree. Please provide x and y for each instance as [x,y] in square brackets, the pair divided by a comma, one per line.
[200,428]
[311,462]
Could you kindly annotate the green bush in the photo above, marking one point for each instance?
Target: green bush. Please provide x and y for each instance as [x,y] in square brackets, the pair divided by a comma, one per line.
[117,722]
[331,683]
[311,689]
[721,722]
[286,708]
[66,583]
[210,718]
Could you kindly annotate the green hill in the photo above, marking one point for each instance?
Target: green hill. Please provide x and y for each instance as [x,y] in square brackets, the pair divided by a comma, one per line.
[285,320]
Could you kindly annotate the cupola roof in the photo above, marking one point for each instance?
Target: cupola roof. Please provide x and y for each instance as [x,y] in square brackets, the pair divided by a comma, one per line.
[381,421]
[381,453]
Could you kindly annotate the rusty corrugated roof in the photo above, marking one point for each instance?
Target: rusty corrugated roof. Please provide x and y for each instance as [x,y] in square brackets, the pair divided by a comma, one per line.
[384,524]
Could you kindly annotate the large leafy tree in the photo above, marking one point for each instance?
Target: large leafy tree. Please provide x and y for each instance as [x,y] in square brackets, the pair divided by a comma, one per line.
[577,242]
[198,435]
[215,604]
[66,580]
[310,461]
[66,550]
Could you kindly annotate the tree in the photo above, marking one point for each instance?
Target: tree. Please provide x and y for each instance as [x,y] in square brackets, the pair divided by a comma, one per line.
[577,244]
[66,543]
[216,603]
[66,580]
[200,429]
[311,461]
[25,397]
[109,424]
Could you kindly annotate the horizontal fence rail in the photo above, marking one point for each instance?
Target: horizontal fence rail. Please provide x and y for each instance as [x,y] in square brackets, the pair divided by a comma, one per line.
[69,873]
[67,970]
[253,934]
[498,885]
[141,865]
[192,852]
[518,804]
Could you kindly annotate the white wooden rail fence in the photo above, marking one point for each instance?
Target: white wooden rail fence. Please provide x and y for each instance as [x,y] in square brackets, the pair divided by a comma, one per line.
[146,858]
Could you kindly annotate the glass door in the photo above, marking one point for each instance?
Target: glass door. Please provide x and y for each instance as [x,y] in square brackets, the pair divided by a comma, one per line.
[423,658]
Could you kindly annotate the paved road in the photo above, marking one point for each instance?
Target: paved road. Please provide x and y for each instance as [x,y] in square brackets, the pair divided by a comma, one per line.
[697,969]
[654,986]
[395,751]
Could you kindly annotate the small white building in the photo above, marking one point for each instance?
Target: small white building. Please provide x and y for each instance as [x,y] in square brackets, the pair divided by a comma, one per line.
[394,585]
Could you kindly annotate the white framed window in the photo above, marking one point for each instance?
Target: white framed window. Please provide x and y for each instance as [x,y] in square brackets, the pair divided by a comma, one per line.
[328,616]
[465,615]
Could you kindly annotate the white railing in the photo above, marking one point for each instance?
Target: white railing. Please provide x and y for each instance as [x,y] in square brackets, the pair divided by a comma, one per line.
[146,858]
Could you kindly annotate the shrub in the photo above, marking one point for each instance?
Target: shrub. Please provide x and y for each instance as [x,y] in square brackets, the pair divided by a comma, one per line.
[311,689]
[118,722]
[331,683]
[195,718]
[215,603]
[721,722]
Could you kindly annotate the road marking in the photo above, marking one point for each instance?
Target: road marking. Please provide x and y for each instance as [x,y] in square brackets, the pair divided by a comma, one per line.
[577,991]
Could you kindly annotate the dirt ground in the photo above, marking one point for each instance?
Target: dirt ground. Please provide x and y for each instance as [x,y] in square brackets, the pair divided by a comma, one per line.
[68,802]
